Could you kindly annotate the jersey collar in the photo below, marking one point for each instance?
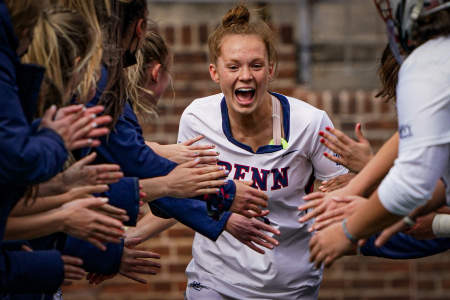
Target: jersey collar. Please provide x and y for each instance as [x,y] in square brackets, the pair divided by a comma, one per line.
[263,149]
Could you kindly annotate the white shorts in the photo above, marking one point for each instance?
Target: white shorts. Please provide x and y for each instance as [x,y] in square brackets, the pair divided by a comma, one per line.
[197,291]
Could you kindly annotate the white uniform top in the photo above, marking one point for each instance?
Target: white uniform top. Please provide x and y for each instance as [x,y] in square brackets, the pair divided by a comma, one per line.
[227,265]
[423,105]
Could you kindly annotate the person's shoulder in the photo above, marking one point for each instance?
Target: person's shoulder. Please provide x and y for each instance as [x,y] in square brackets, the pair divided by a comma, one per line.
[204,105]
[434,54]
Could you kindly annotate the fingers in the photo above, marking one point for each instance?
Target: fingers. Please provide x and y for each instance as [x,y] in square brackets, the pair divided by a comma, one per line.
[341,137]
[312,214]
[212,183]
[26,248]
[72,271]
[49,114]
[317,226]
[336,159]
[387,233]
[86,160]
[253,247]
[358,133]
[314,196]
[114,212]
[68,110]
[262,226]
[134,277]
[310,204]
[147,254]
[193,141]
[96,243]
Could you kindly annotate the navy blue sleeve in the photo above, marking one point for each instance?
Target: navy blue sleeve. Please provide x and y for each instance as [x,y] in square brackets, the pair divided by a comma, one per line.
[403,246]
[125,194]
[192,213]
[27,157]
[95,260]
[31,272]
[126,147]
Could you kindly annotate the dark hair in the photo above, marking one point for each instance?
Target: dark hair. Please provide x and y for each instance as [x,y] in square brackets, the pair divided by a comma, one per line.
[237,21]
[388,74]
[432,26]
[115,27]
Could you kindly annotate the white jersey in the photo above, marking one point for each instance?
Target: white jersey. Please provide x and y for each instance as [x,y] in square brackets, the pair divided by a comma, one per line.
[423,105]
[228,266]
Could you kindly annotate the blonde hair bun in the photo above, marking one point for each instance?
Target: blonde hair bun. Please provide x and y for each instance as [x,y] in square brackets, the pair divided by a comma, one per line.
[238,15]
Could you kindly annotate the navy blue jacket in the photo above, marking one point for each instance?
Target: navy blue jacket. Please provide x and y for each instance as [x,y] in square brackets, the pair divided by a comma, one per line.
[27,156]
[403,246]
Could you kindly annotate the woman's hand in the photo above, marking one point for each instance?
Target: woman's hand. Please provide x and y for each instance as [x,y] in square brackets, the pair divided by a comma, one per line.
[248,200]
[251,232]
[72,269]
[76,126]
[319,203]
[184,152]
[328,245]
[347,205]
[336,182]
[136,262]
[188,180]
[81,221]
[81,174]
[353,155]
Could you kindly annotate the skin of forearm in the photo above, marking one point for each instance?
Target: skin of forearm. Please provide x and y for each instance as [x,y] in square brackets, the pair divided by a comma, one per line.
[52,187]
[155,147]
[371,175]
[41,204]
[154,188]
[151,225]
[370,218]
[34,226]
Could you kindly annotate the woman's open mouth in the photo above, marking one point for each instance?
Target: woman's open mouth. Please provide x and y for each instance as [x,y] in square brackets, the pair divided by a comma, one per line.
[245,96]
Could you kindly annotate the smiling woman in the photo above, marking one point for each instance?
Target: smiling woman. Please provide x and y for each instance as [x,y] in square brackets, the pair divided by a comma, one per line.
[251,128]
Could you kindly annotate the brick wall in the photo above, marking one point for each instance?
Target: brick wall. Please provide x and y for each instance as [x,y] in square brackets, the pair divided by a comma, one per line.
[350,278]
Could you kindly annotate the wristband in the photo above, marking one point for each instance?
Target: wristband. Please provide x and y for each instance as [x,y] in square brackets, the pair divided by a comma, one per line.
[348,235]
[408,221]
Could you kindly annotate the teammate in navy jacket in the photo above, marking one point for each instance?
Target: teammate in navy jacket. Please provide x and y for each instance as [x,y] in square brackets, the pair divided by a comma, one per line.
[26,157]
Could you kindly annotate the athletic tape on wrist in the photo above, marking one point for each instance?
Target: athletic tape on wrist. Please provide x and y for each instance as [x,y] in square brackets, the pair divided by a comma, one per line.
[441,225]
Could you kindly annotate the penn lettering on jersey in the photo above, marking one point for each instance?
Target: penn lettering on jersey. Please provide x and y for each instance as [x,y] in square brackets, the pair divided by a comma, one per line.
[260,177]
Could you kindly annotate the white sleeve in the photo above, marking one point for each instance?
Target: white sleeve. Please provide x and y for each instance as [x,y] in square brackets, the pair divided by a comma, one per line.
[324,168]
[186,129]
[412,180]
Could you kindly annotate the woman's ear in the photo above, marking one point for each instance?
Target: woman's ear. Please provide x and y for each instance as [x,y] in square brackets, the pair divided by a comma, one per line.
[155,72]
[213,73]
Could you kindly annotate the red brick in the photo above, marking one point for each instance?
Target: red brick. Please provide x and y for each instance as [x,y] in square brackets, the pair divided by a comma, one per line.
[286,34]
[386,266]
[181,232]
[203,34]
[186,38]
[366,283]
[169,35]
[177,268]
[190,57]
